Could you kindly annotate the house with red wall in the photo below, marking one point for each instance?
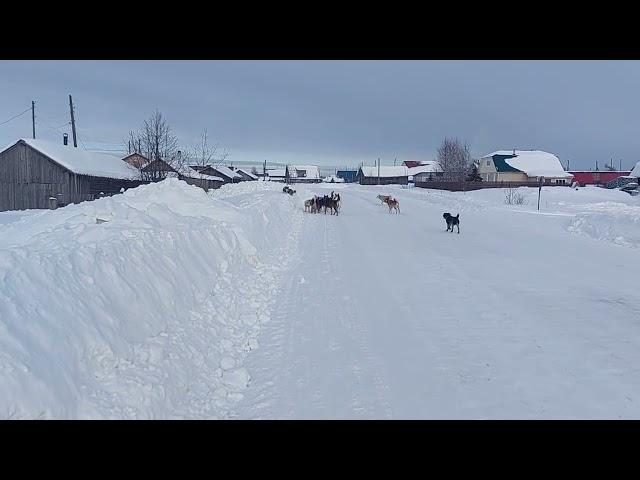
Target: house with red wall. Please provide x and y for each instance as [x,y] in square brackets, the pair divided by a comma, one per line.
[596,177]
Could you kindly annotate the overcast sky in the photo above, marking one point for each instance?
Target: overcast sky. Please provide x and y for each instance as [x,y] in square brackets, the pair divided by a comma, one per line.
[338,112]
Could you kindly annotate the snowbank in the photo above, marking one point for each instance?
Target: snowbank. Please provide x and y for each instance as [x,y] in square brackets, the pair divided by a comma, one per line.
[610,221]
[141,305]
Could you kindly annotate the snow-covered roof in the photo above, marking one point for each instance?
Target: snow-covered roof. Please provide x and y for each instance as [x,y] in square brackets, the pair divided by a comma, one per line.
[636,171]
[385,171]
[80,161]
[191,172]
[427,167]
[535,163]
[311,171]
[227,171]
[255,177]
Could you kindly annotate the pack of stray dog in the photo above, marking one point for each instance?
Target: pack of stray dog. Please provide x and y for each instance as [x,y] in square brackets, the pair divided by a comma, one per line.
[286,189]
[313,205]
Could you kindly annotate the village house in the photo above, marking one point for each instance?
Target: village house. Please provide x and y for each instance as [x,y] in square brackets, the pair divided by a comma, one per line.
[220,171]
[45,174]
[426,171]
[193,177]
[387,175]
[521,166]
[296,174]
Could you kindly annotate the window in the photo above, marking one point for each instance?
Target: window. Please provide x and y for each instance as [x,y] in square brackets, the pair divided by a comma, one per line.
[488,162]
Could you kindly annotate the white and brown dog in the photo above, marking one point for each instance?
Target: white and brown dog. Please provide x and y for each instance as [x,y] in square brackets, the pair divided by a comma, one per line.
[393,204]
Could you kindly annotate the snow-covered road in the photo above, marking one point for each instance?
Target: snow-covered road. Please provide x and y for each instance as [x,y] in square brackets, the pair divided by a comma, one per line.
[389,316]
[236,304]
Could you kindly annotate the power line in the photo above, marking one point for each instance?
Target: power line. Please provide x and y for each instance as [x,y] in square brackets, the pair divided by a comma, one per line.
[106,149]
[16,116]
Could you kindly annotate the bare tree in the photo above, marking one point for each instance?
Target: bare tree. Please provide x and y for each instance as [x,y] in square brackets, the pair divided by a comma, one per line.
[254,171]
[157,142]
[205,154]
[454,158]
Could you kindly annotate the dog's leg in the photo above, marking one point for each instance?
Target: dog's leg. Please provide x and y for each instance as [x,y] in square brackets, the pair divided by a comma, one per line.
[458,225]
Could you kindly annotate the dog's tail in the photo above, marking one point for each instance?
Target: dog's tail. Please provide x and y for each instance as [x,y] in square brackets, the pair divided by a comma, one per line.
[458,216]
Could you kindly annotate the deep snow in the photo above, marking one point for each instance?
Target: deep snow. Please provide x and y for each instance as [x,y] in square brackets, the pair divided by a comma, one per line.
[166,302]
[147,315]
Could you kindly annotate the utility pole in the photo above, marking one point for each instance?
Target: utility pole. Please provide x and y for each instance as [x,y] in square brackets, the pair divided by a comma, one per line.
[378,170]
[264,171]
[618,170]
[33,117]
[73,123]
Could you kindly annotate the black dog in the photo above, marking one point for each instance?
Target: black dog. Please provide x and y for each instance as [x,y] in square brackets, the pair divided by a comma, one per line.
[451,221]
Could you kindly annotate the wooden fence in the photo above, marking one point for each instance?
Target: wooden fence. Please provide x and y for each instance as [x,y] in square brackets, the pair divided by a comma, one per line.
[469,186]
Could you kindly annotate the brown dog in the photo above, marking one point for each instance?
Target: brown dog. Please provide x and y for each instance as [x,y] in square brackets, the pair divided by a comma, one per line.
[393,203]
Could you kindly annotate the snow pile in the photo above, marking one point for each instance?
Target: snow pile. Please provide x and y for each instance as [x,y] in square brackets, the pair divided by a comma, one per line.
[333,179]
[610,221]
[141,305]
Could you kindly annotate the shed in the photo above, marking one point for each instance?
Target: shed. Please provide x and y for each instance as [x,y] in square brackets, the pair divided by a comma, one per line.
[32,172]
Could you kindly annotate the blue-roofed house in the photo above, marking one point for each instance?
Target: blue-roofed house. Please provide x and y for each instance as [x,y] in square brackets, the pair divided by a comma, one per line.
[523,166]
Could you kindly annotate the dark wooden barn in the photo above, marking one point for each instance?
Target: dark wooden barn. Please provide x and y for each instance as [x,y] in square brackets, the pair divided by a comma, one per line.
[44,174]
[388,176]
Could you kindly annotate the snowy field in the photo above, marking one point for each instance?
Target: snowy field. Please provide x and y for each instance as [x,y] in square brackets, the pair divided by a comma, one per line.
[166,302]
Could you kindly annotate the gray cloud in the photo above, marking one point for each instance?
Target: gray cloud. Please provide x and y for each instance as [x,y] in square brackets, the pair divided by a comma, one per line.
[339,112]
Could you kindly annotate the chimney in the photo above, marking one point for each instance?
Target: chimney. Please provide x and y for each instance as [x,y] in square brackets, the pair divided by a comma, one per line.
[65,139]
[514,151]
